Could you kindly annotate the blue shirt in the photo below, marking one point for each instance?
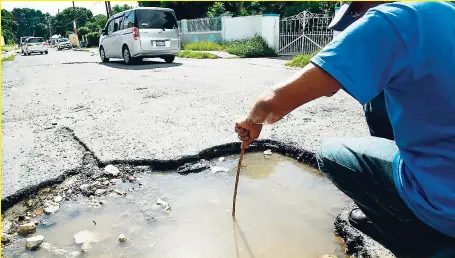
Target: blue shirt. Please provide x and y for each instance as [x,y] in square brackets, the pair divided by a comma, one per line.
[407,50]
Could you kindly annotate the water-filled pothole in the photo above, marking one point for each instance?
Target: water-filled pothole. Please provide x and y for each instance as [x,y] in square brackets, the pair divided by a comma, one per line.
[284,209]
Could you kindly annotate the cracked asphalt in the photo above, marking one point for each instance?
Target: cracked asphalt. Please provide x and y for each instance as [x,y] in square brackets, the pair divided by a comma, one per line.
[150,111]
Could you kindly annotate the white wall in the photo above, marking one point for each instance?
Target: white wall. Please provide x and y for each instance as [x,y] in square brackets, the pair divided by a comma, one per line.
[242,27]
[271,30]
[266,26]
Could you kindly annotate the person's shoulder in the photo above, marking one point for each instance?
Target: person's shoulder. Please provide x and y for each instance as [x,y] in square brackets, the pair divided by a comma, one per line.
[415,10]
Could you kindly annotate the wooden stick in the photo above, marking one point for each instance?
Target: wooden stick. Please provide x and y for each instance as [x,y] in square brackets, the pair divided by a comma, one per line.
[242,151]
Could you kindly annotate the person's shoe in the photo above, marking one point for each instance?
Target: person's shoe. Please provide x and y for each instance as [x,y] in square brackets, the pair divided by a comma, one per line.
[359,220]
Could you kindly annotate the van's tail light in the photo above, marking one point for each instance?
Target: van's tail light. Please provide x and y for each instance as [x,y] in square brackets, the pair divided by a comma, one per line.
[135,33]
[178,32]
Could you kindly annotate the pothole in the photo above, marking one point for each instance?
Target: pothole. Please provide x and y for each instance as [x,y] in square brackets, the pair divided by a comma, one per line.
[284,209]
[80,62]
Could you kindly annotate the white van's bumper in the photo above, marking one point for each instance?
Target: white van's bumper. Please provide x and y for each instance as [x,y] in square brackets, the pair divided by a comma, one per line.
[158,53]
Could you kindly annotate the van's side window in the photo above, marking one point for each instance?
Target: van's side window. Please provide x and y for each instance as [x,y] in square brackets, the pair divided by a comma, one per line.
[116,24]
[128,22]
[120,23]
[110,27]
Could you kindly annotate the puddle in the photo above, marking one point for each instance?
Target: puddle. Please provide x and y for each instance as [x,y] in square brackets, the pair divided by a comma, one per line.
[284,209]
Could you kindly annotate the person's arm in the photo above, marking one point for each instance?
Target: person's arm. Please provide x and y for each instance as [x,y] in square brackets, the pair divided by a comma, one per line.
[363,59]
[312,83]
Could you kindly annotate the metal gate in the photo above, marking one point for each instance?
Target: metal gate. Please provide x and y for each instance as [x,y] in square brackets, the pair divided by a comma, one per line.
[304,33]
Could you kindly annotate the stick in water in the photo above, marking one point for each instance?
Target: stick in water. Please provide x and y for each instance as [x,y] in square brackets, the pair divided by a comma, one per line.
[242,151]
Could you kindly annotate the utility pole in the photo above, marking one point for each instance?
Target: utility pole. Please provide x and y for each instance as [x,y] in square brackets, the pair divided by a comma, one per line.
[49,23]
[108,9]
[75,25]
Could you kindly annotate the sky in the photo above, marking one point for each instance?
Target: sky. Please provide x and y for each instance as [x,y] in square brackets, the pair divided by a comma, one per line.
[53,7]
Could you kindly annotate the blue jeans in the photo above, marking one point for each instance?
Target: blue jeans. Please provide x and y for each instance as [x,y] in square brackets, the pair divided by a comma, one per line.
[362,169]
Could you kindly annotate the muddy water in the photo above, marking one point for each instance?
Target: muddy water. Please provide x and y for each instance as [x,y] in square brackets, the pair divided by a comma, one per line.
[284,209]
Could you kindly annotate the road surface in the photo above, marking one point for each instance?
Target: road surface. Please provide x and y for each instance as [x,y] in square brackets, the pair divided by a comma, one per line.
[149,111]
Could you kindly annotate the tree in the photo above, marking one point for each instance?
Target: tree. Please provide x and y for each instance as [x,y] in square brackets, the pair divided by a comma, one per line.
[283,8]
[97,22]
[9,27]
[64,20]
[119,9]
[31,22]
[82,31]
[182,9]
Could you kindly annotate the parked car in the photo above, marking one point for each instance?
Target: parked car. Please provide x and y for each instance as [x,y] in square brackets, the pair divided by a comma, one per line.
[34,45]
[22,40]
[64,43]
[139,33]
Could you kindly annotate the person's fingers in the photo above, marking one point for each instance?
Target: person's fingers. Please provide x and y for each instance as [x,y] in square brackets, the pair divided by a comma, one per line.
[244,133]
[240,130]
[244,138]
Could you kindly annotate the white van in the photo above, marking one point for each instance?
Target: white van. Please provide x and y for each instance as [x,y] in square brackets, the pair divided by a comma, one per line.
[141,32]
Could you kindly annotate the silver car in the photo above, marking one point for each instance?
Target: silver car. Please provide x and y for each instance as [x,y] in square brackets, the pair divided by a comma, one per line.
[64,43]
[141,32]
[34,45]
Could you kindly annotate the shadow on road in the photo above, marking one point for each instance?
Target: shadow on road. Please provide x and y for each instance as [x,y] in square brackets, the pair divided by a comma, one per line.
[144,65]
[281,57]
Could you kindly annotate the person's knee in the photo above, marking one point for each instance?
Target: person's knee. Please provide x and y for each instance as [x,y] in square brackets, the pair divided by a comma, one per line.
[333,152]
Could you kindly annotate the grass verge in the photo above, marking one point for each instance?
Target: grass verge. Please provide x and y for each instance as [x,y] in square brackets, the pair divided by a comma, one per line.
[196,55]
[9,47]
[204,46]
[9,58]
[253,47]
[300,60]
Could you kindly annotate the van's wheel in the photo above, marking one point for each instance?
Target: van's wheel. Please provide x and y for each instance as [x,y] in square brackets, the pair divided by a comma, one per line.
[127,56]
[169,59]
[46,52]
[104,59]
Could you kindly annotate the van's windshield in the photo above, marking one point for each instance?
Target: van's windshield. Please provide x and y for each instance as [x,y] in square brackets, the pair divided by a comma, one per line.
[156,19]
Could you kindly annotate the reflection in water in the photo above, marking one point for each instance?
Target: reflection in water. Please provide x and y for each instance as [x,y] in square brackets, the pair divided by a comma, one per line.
[235,225]
[284,209]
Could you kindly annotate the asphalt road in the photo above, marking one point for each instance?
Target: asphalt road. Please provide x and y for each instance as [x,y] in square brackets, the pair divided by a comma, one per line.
[149,111]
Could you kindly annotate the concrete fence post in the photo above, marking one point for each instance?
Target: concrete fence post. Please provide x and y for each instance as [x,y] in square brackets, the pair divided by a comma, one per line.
[184,26]
[271,30]
[224,17]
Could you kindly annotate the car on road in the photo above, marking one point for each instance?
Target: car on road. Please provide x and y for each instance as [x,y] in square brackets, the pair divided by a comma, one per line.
[140,33]
[64,43]
[22,40]
[34,45]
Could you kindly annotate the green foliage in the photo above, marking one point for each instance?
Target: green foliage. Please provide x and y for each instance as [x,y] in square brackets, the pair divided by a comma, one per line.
[286,8]
[182,9]
[9,58]
[68,33]
[196,55]
[301,60]
[203,46]
[253,47]
[82,31]
[93,39]
[63,21]
[30,22]
[9,27]
[118,9]
[97,22]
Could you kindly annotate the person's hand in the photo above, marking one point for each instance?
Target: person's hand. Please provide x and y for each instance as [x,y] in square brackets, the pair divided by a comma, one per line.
[247,132]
